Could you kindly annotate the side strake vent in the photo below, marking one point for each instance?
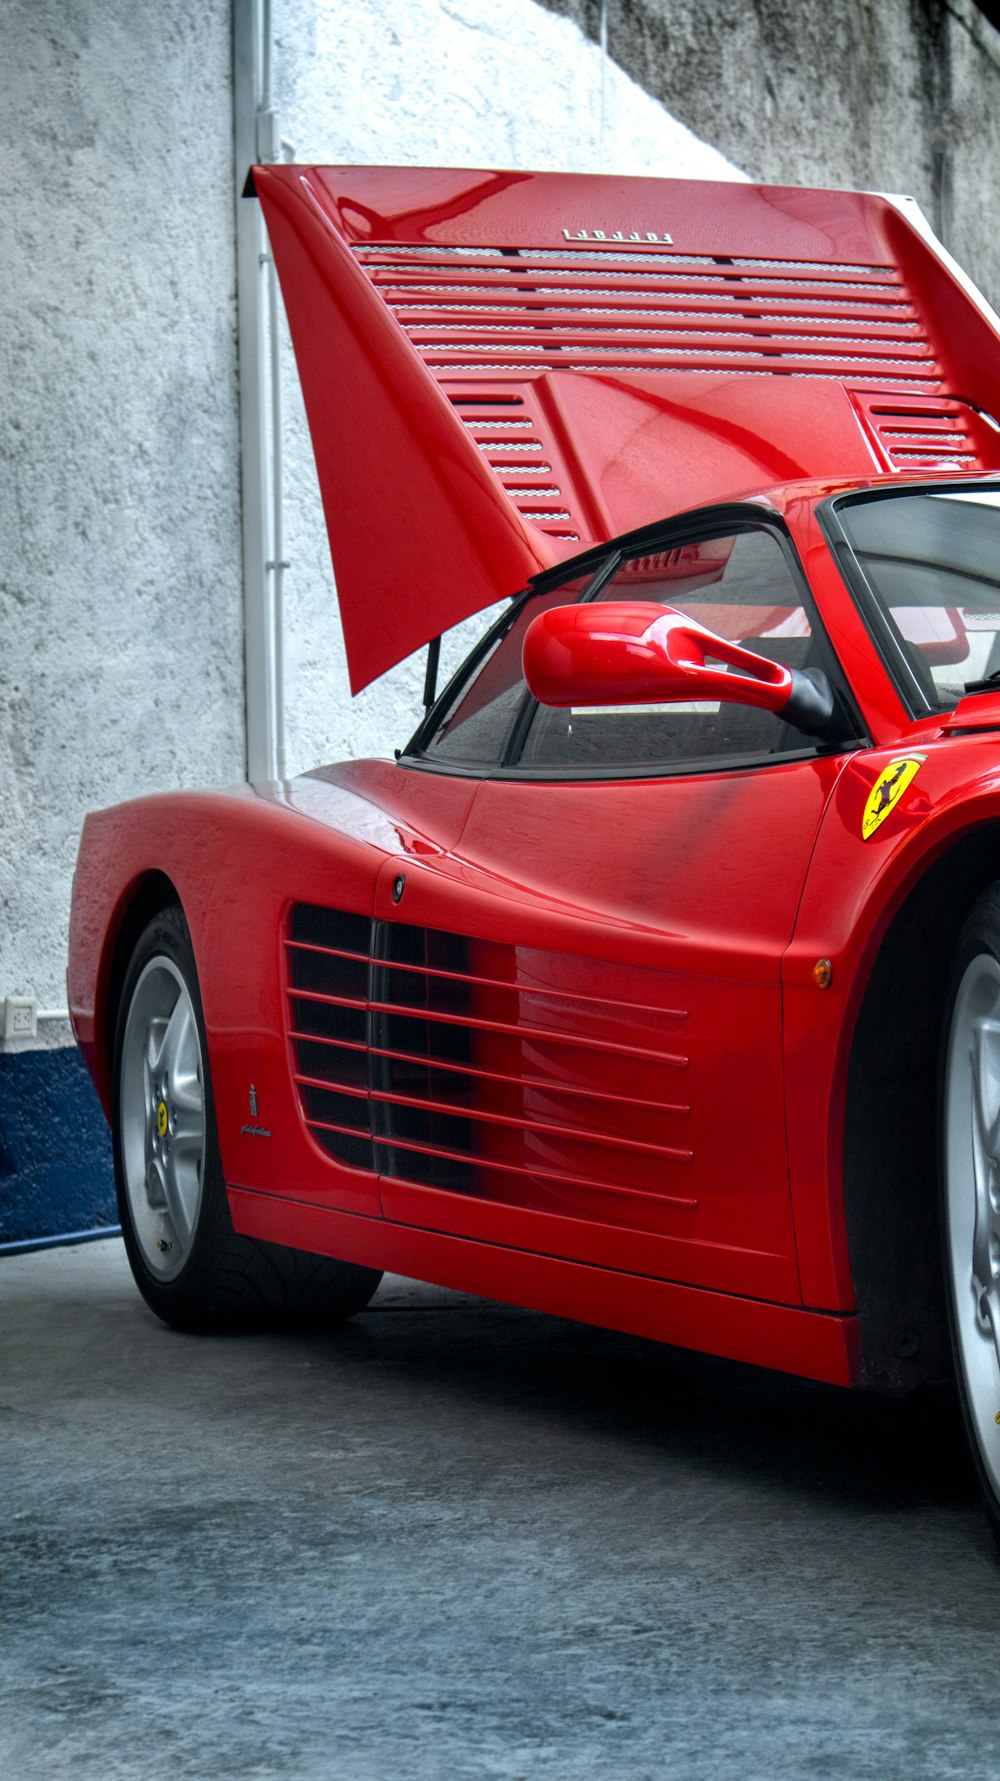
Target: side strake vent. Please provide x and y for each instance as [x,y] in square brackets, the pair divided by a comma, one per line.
[487,1069]
[480,311]
[329,978]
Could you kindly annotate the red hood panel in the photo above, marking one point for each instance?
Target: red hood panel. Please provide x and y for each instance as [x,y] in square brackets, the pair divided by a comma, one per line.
[501,368]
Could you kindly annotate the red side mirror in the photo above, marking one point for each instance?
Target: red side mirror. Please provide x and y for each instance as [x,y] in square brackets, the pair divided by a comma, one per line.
[631,652]
[634,653]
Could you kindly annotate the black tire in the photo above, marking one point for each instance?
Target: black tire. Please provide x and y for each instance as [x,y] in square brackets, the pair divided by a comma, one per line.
[970,1186]
[168,1173]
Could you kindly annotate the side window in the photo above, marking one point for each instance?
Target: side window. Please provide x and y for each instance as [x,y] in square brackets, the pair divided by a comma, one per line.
[932,561]
[742,587]
[476,725]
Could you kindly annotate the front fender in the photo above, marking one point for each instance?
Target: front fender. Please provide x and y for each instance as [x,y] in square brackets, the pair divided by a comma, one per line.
[854,889]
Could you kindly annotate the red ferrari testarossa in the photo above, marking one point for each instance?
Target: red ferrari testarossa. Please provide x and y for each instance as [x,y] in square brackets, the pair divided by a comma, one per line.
[656,982]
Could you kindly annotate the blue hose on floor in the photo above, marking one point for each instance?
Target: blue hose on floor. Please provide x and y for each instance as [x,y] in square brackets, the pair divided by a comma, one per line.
[64,1238]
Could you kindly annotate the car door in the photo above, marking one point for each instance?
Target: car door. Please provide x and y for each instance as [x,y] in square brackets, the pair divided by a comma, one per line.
[580,1012]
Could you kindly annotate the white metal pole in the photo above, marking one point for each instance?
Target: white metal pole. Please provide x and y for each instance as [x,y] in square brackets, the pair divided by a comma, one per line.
[260,399]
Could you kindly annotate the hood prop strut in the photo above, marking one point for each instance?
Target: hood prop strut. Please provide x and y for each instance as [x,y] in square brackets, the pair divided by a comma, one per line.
[431,674]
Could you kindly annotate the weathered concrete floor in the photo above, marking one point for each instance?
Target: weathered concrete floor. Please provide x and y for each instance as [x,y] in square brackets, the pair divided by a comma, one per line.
[459,1541]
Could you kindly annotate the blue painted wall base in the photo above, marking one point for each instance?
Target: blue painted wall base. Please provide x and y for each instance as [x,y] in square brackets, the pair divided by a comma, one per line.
[56,1172]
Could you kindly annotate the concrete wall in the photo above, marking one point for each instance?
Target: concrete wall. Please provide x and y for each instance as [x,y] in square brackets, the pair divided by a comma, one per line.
[890,95]
[121,640]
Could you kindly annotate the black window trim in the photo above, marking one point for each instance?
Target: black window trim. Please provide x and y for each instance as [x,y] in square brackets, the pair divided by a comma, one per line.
[688,528]
[449,693]
[411,755]
[517,735]
[889,645]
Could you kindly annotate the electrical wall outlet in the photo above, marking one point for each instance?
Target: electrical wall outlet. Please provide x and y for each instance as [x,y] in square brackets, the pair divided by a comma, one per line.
[20,1017]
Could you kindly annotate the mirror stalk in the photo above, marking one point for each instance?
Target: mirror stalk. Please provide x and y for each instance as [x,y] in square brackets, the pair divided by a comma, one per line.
[811,707]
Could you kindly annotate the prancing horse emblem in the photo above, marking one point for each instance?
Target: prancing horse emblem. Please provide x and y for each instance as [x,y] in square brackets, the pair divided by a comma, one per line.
[253,1102]
[888,790]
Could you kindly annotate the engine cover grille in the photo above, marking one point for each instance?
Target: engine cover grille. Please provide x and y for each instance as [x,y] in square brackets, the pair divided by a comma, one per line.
[482,310]
[489,322]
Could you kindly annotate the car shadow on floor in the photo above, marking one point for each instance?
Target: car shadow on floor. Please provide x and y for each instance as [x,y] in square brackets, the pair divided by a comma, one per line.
[856,1450]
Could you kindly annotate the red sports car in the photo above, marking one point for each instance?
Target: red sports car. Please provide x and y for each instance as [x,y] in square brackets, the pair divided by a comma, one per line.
[656,982]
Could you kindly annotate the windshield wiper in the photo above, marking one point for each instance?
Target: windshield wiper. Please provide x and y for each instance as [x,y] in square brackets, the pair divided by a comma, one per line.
[988,684]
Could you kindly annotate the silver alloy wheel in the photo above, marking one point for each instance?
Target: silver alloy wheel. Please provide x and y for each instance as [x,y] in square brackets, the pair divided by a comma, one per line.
[162,1115]
[972,1198]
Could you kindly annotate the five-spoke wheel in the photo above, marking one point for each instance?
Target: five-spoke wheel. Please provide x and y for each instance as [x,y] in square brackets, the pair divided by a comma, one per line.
[971,1185]
[190,1265]
[162,1116]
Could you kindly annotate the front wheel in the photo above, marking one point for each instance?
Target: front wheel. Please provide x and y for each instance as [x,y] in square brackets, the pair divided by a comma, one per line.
[190,1265]
[971,1186]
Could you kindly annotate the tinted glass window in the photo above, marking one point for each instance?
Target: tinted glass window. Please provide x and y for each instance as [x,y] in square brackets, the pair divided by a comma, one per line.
[740,586]
[476,726]
[933,564]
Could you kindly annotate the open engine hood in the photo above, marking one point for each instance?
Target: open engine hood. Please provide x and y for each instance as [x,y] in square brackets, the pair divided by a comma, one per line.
[500,369]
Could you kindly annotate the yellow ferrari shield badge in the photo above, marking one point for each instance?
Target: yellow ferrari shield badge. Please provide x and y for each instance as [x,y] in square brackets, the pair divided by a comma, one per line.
[888,790]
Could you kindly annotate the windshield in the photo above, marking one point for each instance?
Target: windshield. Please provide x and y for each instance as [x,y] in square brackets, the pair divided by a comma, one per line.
[931,560]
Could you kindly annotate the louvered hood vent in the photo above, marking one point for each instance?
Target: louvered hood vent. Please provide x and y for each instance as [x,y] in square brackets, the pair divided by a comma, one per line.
[930,433]
[511,432]
[501,367]
[477,311]
[501,314]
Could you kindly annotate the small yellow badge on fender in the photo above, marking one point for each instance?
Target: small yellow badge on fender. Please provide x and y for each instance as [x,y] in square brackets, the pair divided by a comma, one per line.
[888,790]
